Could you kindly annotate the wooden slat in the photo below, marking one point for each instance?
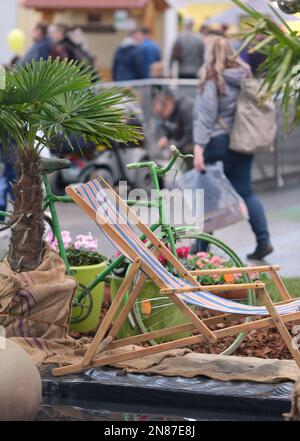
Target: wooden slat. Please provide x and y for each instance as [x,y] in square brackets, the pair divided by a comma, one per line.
[242,270]
[184,342]
[213,288]
[136,339]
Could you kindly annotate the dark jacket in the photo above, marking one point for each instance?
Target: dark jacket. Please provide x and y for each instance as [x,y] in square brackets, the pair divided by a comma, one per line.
[64,49]
[147,53]
[125,61]
[179,127]
[40,49]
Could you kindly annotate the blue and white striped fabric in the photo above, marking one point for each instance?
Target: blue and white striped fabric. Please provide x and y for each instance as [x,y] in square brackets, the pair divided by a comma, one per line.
[100,197]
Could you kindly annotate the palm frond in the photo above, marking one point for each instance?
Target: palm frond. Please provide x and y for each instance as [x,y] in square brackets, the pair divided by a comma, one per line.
[97,115]
[40,81]
[60,98]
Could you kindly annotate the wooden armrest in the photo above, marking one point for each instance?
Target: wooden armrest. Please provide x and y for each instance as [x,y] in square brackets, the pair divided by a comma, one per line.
[221,271]
[214,288]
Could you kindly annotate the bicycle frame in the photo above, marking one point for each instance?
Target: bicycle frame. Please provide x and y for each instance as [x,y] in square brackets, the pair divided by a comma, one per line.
[156,172]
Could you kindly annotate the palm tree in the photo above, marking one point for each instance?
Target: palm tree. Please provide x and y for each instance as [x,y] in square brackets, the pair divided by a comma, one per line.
[38,102]
[281,69]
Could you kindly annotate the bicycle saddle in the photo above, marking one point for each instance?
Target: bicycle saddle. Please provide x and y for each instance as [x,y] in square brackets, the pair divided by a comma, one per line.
[54,164]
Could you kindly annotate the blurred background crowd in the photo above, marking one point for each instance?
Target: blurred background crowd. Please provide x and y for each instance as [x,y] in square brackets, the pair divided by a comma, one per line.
[106,30]
[158,47]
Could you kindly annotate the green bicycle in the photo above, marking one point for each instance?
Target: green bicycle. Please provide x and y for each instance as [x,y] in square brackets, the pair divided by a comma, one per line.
[174,237]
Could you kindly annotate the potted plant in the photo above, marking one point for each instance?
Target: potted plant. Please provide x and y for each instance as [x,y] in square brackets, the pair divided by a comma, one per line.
[86,264]
[206,260]
[38,102]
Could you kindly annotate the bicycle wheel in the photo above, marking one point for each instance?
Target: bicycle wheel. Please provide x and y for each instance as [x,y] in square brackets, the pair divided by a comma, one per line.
[82,305]
[157,312]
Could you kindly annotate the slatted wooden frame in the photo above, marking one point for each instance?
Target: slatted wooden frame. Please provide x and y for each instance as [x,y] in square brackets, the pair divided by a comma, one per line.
[105,339]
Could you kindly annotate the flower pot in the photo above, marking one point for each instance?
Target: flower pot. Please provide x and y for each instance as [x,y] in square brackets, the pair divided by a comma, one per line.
[85,275]
[161,318]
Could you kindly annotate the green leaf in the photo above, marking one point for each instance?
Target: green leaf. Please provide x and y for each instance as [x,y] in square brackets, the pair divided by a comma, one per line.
[60,98]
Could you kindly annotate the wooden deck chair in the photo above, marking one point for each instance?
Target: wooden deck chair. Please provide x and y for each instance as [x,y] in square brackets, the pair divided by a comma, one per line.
[120,225]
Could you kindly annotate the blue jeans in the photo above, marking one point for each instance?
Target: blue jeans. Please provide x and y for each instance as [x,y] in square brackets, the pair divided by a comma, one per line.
[8,176]
[238,168]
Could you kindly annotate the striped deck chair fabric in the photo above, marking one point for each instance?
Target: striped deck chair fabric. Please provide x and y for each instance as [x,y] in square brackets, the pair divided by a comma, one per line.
[101,199]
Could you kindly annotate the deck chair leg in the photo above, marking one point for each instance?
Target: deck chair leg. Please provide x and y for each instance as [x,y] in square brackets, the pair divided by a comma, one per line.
[122,316]
[127,308]
[111,313]
[199,324]
[281,326]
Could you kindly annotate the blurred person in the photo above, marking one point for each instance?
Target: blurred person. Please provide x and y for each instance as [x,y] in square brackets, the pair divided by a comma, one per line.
[65,48]
[125,66]
[214,113]
[254,59]
[8,161]
[8,176]
[234,36]
[148,52]
[214,30]
[188,51]
[41,47]
[176,113]
[79,37]
[204,30]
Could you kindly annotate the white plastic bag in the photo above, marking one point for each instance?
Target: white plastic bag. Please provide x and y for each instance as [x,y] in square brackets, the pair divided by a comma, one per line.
[222,204]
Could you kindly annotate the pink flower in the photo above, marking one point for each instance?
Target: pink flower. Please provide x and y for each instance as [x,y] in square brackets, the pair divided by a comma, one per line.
[87,242]
[67,239]
[202,255]
[254,276]
[52,241]
[216,260]
[183,252]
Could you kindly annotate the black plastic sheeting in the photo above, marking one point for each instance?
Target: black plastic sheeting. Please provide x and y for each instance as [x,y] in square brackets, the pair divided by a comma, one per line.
[106,390]
[99,412]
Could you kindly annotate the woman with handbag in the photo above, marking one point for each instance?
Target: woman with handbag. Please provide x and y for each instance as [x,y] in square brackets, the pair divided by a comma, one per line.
[214,116]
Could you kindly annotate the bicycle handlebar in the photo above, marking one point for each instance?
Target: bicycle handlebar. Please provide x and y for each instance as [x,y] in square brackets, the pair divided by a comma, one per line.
[162,171]
[137,165]
[177,153]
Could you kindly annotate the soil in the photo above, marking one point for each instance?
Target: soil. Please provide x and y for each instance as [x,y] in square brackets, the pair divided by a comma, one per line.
[264,343]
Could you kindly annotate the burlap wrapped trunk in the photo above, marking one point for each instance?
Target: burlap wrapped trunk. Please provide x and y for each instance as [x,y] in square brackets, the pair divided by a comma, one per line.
[35,310]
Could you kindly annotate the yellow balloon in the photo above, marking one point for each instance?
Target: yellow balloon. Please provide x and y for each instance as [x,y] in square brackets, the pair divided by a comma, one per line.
[16,41]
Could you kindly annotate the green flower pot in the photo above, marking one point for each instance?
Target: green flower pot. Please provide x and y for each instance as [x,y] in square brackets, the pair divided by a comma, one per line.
[85,275]
[160,318]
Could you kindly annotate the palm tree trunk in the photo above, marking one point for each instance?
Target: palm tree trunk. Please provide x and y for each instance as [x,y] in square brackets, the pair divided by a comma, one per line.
[27,223]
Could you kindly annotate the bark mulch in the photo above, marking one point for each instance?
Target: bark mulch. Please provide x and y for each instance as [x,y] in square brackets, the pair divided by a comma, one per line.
[264,343]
